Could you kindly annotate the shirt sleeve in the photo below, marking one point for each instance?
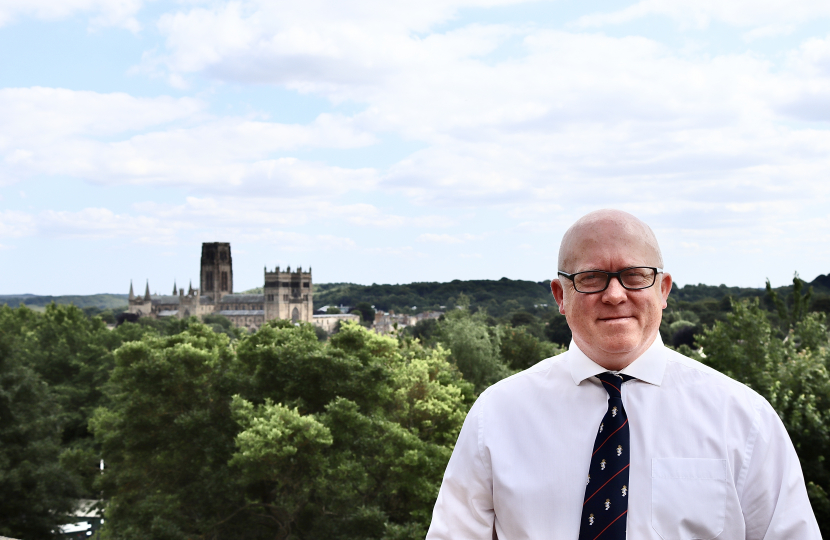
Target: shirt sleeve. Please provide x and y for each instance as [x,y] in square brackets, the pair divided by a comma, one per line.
[774,498]
[464,509]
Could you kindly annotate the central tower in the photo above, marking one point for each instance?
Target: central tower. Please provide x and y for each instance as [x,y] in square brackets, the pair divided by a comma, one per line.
[216,276]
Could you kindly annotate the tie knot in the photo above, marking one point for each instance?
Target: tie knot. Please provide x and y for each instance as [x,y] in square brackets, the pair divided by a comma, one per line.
[613,383]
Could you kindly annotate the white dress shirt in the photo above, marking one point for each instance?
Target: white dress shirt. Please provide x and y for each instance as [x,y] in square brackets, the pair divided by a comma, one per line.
[710,458]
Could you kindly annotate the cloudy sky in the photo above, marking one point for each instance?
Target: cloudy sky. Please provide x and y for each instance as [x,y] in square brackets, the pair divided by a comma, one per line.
[392,142]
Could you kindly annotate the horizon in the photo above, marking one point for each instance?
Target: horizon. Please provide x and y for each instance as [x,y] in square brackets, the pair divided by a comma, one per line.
[158,293]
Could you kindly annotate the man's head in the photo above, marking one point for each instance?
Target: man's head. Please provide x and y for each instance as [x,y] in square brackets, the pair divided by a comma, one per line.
[615,326]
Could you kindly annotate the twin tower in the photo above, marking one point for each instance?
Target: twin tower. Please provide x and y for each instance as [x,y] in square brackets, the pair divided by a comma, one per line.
[286,294]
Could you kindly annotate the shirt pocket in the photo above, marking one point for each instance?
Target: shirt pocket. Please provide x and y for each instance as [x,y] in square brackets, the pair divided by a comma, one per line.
[688,497]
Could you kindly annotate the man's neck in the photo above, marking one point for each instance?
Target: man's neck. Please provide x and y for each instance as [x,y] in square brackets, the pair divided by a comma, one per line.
[614,361]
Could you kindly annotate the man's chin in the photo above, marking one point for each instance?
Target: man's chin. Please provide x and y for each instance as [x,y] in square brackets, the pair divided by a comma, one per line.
[619,345]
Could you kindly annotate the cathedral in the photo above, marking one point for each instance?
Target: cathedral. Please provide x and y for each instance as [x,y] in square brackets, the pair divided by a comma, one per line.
[286,294]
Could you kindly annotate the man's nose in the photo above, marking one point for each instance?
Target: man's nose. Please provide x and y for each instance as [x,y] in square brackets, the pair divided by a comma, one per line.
[615,293]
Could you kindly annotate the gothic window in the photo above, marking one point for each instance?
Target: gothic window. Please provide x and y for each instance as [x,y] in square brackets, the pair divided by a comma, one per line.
[285,297]
[270,297]
[209,280]
[224,281]
[295,315]
[305,285]
[223,256]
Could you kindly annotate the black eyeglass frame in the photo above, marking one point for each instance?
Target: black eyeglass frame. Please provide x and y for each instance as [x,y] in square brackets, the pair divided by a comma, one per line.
[609,275]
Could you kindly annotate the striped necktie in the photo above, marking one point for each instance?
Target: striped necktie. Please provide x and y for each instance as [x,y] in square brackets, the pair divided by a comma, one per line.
[605,509]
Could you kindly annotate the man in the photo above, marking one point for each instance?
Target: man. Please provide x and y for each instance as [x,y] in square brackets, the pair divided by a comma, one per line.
[620,437]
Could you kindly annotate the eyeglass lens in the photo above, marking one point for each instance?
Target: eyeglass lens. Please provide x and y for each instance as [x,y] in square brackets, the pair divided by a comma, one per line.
[631,278]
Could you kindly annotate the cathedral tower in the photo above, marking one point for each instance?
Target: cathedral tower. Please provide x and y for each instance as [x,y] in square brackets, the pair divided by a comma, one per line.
[289,295]
[217,270]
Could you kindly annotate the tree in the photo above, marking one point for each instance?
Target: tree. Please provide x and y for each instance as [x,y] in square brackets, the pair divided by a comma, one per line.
[278,436]
[520,349]
[367,312]
[475,347]
[557,330]
[38,494]
[167,435]
[800,303]
[425,331]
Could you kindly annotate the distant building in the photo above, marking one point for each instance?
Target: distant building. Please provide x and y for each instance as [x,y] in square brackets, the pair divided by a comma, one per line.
[386,323]
[286,294]
[328,321]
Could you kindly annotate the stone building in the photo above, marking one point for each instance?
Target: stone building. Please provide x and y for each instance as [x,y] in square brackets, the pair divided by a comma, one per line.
[286,294]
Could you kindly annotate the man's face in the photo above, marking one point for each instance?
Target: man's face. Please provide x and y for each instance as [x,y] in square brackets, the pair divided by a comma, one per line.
[615,326]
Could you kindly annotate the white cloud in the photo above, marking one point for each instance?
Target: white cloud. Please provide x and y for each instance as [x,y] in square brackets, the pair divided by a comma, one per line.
[16,224]
[42,114]
[56,131]
[120,13]
[89,223]
[769,30]
[448,238]
[701,13]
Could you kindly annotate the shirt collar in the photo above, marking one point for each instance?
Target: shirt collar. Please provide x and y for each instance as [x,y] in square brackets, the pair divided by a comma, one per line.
[649,367]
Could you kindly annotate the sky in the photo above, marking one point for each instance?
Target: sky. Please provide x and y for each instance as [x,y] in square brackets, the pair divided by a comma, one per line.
[378,141]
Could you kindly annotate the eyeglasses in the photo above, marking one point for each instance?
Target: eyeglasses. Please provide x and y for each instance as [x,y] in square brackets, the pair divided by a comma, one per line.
[633,279]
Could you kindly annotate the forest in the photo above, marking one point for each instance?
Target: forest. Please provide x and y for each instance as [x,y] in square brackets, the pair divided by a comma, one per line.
[207,431]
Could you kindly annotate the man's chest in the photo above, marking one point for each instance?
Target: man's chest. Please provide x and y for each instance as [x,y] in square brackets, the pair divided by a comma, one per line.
[682,460]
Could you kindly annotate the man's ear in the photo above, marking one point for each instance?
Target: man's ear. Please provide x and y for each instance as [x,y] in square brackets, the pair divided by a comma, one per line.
[665,288]
[558,294]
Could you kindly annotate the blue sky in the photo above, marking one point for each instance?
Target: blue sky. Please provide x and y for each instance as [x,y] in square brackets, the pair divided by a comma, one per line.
[391,142]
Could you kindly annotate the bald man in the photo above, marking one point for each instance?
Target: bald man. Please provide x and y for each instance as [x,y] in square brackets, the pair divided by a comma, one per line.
[620,437]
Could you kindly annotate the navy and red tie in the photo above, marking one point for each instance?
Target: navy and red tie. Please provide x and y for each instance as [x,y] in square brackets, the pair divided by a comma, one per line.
[605,509]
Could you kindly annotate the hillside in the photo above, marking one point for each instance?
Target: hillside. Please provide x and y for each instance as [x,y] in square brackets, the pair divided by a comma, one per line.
[504,295]
[100,301]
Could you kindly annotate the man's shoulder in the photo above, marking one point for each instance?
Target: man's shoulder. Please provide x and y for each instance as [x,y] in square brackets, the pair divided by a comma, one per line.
[697,375]
[546,373]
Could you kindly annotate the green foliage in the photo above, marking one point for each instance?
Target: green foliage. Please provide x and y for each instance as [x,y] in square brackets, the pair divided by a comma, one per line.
[72,356]
[321,334]
[557,329]
[426,331]
[167,435]
[475,347]
[101,301]
[333,310]
[486,294]
[799,303]
[679,327]
[37,493]
[367,312]
[277,435]
[520,349]
[216,319]
[218,323]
